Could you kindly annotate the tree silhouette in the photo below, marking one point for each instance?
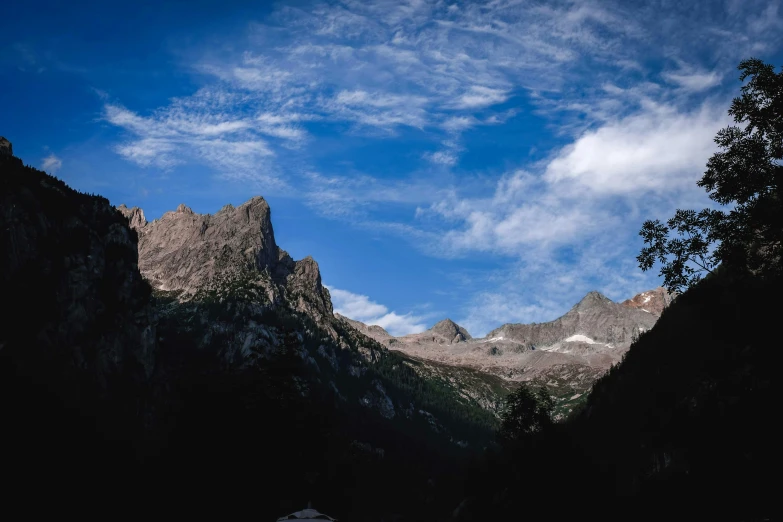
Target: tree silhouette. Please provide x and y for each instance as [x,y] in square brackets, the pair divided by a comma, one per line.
[526,413]
[746,175]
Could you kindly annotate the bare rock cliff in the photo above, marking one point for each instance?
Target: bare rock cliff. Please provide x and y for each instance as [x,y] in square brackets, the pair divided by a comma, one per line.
[451,331]
[186,252]
[596,317]
[652,301]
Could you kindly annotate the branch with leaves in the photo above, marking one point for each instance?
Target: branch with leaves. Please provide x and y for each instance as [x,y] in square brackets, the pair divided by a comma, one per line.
[746,175]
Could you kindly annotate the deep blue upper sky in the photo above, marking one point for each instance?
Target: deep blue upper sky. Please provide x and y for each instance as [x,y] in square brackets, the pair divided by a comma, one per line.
[489,162]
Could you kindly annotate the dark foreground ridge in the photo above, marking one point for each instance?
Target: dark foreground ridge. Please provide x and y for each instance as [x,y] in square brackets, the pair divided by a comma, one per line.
[233,386]
[235,369]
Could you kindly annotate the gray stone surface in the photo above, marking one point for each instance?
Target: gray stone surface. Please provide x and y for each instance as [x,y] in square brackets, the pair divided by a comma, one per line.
[568,354]
[6,149]
[652,301]
[450,330]
[187,252]
[595,316]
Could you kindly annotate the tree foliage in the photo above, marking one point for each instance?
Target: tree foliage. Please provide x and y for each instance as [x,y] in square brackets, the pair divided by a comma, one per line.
[746,176]
[526,413]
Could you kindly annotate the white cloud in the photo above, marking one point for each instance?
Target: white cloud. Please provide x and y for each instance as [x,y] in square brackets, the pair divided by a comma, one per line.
[479,97]
[442,157]
[197,129]
[399,325]
[51,163]
[692,78]
[360,308]
[355,306]
[695,82]
[586,188]
[380,70]
[354,194]
[489,310]
[375,64]
[659,149]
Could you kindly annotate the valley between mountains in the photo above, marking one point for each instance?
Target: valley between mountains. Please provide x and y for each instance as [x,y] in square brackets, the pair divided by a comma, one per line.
[566,355]
[171,357]
[185,254]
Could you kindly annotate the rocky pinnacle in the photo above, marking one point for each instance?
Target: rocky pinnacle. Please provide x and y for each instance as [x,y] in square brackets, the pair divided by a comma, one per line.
[185,251]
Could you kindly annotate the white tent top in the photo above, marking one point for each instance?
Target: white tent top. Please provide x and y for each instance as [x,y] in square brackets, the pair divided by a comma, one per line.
[306,514]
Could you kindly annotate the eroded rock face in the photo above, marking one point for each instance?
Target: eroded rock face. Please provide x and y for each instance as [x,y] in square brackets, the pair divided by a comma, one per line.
[567,355]
[134,215]
[595,317]
[652,301]
[183,250]
[451,331]
[187,252]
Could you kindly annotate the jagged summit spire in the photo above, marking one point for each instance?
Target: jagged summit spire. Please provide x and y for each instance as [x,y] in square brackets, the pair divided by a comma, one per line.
[135,216]
[451,330]
[186,251]
[592,298]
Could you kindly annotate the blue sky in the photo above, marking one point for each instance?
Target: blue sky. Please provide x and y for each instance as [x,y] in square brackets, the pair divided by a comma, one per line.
[490,162]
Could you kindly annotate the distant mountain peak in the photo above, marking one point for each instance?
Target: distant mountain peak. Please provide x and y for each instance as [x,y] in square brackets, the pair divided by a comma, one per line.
[372,330]
[592,299]
[595,294]
[652,301]
[451,330]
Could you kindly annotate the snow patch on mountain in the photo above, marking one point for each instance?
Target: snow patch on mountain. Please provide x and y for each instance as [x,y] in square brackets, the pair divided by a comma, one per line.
[579,338]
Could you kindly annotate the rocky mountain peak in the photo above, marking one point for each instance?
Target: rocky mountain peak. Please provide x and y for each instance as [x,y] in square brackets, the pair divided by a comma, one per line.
[591,300]
[186,252]
[183,250]
[653,301]
[451,331]
[6,149]
[135,216]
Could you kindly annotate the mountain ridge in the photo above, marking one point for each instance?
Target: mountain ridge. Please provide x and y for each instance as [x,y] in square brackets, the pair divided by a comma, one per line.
[566,354]
[133,346]
[187,252]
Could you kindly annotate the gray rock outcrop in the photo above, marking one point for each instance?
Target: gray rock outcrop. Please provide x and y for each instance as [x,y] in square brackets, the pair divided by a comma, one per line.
[187,252]
[652,301]
[451,331]
[567,355]
[595,317]
[6,149]
[134,215]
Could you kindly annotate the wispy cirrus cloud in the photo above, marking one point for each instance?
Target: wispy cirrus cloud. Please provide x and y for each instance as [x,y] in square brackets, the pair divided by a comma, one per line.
[51,163]
[361,308]
[633,92]
[426,65]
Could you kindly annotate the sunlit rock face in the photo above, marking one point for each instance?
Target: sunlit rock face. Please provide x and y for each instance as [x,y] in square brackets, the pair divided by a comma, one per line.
[567,354]
[187,252]
[652,301]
